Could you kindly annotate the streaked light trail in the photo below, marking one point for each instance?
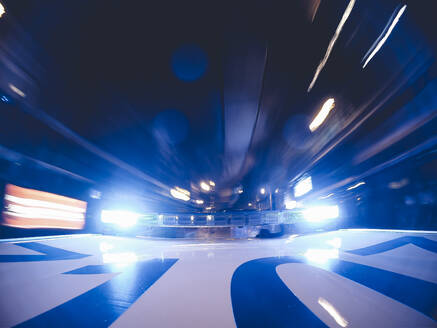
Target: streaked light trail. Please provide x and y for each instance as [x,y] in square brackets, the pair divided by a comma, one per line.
[205,186]
[332,312]
[384,36]
[322,115]
[332,42]
[356,185]
[180,193]
[303,186]
[15,89]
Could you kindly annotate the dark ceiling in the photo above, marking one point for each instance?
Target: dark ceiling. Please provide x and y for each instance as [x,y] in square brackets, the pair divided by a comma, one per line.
[142,96]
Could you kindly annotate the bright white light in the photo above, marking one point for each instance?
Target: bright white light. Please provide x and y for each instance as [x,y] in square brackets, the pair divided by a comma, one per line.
[356,185]
[320,213]
[104,246]
[41,203]
[17,91]
[240,190]
[335,242]
[208,208]
[332,311]
[42,213]
[303,186]
[209,217]
[385,34]
[192,218]
[205,186]
[199,201]
[290,204]
[321,256]
[332,42]
[121,218]
[262,191]
[250,204]
[276,190]
[180,193]
[322,115]
[2,10]
[120,258]
[212,183]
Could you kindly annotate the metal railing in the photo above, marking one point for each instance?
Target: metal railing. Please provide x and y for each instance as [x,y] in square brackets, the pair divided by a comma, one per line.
[228,219]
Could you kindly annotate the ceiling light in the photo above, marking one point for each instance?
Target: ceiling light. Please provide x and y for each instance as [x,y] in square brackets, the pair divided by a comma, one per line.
[205,186]
[180,193]
[2,10]
[322,115]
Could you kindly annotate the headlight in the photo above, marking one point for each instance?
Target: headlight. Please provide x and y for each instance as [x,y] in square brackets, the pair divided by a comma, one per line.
[320,213]
[121,218]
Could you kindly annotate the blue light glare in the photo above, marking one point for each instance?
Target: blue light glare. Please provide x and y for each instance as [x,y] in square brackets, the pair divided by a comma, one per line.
[4,99]
[321,256]
[320,213]
[189,63]
[303,186]
[124,219]
[120,259]
[170,127]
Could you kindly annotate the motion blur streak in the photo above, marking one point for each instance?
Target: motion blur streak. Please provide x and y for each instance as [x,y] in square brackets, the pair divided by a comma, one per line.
[180,193]
[322,115]
[36,212]
[384,36]
[303,186]
[356,185]
[327,196]
[332,312]
[28,208]
[17,91]
[332,42]
[205,186]
[40,203]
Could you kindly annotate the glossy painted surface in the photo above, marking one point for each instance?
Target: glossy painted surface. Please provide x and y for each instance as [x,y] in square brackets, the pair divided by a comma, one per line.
[347,278]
